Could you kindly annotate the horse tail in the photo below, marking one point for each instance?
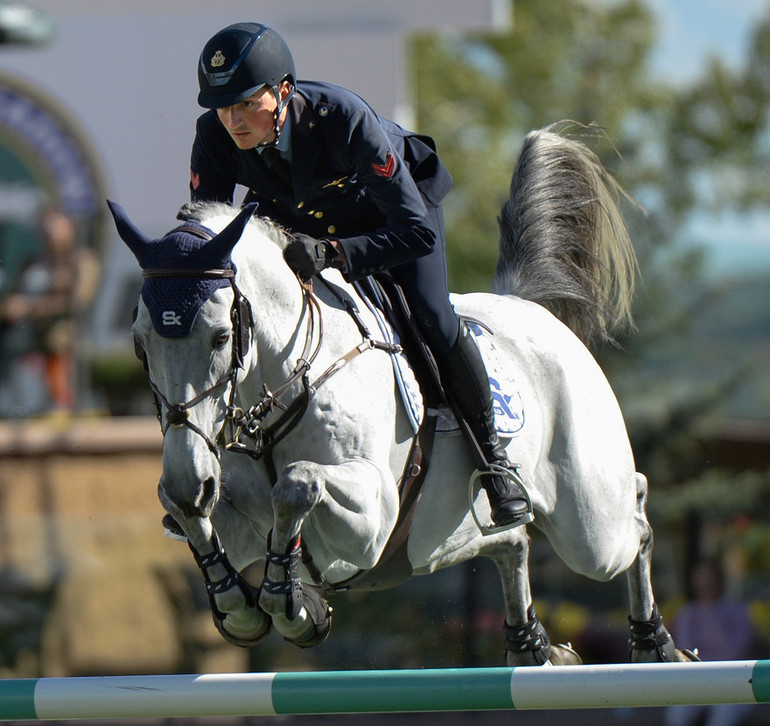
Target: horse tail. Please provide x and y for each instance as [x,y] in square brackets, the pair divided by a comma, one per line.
[563,240]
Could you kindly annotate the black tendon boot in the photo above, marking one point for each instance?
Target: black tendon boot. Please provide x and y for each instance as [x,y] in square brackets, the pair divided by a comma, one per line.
[466,383]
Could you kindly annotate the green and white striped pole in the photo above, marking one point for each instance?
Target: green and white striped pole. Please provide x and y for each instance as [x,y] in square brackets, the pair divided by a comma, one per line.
[380,691]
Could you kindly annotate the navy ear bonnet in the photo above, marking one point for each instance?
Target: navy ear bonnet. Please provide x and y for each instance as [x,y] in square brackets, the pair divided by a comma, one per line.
[174,302]
[186,254]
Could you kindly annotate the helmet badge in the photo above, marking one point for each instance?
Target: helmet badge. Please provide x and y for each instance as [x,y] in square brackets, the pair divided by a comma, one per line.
[218,59]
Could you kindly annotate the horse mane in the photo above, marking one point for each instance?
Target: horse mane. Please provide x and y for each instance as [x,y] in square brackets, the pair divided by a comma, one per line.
[203,212]
[563,240]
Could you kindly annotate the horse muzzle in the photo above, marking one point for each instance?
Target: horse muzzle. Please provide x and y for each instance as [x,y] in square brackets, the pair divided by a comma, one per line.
[200,503]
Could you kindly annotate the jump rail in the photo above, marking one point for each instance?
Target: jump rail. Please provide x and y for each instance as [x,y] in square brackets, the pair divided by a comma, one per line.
[380,691]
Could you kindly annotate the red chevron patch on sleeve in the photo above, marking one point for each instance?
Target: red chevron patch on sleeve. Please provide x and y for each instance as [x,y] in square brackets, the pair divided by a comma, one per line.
[195,179]
[385,170]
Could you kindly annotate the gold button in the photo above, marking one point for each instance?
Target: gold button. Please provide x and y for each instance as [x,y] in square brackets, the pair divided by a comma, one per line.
[331,229]
[318,215]
[300,205]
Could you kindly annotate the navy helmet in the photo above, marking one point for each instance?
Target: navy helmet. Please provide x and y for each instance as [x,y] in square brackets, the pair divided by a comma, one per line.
[239,60]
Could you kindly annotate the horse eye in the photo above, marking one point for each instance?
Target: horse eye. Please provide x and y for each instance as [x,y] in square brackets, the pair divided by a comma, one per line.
[222,340]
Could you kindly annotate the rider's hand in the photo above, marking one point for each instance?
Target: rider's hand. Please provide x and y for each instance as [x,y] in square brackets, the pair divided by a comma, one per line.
[307,256]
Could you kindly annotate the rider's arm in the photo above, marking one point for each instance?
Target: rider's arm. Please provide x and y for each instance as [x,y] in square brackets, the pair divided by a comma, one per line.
[407,233]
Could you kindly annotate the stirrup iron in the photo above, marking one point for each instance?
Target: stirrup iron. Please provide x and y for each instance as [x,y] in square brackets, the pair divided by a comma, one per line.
[513,475]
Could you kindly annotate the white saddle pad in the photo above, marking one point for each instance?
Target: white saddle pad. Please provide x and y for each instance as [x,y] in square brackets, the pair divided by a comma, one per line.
[509,410]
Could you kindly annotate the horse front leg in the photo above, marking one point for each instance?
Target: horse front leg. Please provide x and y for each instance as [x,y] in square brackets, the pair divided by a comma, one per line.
[233,601]
[298,613]
[354,506]
[650,641]
[526,640]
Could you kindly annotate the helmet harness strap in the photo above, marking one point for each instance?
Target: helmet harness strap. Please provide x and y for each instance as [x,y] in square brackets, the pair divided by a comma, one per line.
[280,106]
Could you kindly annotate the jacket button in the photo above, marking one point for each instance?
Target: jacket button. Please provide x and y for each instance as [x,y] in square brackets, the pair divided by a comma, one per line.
[300,205]
[318,215]
[331,229]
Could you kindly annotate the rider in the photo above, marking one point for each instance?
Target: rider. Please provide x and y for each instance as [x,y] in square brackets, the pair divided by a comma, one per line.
[357,193]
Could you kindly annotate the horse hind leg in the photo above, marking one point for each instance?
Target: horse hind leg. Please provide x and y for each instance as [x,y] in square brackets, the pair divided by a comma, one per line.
[650,641]
[526,639]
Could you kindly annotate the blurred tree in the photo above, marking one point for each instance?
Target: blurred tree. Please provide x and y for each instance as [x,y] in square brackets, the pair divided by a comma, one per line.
[676,149]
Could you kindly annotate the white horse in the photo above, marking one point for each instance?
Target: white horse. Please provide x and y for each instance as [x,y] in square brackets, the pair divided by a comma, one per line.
[285,438]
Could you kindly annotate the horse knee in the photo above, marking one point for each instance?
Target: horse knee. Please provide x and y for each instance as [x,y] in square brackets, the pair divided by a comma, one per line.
[298,489]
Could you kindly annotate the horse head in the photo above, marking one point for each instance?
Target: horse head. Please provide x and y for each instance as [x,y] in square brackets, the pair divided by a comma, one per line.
[192,328]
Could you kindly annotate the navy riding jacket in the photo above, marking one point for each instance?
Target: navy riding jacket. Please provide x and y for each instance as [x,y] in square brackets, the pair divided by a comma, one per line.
[355,177]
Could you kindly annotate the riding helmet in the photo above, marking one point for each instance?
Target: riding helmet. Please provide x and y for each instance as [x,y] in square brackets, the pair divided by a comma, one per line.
[239,60]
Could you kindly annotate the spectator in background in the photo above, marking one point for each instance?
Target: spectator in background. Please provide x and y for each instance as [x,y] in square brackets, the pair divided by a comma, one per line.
[720,628]
[47,298]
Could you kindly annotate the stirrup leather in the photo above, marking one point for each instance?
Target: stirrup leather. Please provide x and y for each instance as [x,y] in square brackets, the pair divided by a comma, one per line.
[511,473]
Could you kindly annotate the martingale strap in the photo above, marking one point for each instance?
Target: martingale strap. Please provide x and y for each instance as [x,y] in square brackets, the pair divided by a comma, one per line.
[248,424]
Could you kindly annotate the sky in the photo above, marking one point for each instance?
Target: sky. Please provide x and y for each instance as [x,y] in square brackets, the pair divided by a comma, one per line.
[692,31]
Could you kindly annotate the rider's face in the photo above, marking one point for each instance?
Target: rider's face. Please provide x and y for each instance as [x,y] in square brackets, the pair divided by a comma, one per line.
[250,122]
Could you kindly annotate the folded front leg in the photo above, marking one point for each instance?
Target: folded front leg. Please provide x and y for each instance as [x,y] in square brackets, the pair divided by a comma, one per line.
[352,508]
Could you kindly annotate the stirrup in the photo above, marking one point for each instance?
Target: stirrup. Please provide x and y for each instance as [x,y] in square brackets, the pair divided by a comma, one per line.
[513,475]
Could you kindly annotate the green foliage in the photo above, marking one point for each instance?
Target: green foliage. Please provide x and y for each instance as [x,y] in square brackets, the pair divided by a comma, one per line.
[673,148]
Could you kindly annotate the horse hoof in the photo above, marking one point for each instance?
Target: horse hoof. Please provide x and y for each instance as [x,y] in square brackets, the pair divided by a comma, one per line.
[687,656]
[243,642]
[564,654]
[320,615]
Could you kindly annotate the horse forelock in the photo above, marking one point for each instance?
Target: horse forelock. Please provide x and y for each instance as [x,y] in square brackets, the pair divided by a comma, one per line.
[216,215]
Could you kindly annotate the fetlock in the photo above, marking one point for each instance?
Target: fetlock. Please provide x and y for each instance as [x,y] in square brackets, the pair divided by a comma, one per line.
[290,586]
[650,641]
[527,644]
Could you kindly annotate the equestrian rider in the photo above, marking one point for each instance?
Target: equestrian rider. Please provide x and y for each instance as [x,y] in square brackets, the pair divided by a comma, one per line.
[357,192]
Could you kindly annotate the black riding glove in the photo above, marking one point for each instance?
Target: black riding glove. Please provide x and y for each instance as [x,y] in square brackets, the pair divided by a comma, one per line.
[307,256]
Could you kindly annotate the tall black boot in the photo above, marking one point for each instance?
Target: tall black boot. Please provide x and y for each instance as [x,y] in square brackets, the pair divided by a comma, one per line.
[465,381]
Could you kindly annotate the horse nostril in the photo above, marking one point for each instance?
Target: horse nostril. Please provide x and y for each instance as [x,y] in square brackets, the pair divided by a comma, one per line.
[206,497]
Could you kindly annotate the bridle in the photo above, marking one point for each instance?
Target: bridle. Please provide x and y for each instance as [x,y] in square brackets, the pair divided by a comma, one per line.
[241,318]
[242,430]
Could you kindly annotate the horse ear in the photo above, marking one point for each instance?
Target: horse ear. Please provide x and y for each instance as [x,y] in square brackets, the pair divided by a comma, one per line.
[224,242]
[134,239]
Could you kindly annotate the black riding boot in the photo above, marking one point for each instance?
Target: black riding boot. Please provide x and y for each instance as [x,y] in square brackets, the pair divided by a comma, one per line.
[466,383]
